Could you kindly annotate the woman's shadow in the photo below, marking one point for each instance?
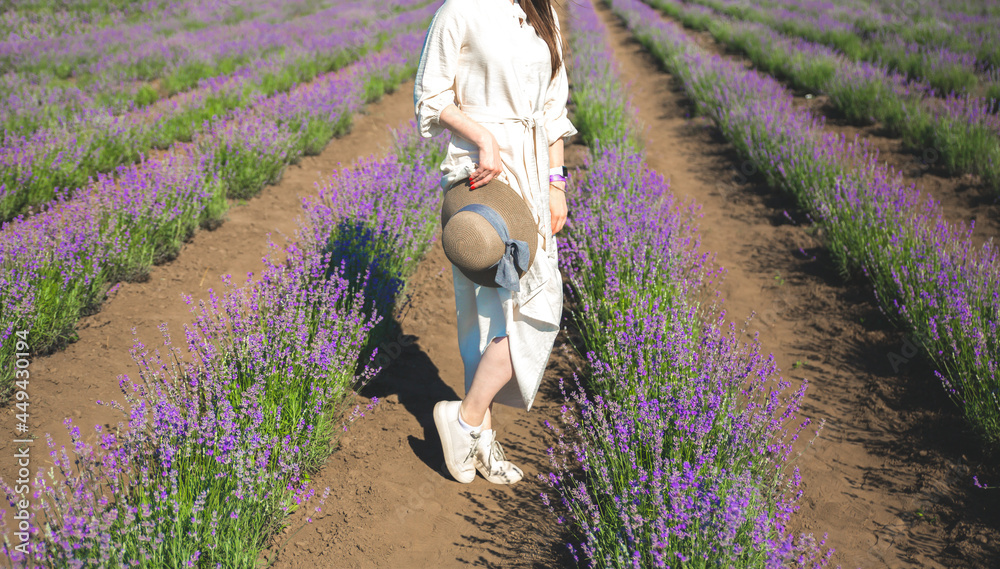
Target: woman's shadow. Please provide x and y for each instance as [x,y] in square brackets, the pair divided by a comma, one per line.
[408,373]
[365,256]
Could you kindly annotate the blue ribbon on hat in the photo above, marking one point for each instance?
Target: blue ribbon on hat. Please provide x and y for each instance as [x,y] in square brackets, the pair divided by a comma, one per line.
[515,255]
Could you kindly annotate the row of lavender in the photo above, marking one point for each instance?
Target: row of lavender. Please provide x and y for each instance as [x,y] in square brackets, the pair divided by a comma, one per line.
[278,35]
[35,168]
[932,48]
[164,32]
[46,43]
[676,453]
[929,275]
[104,59]
[962,132]
[218,440]
[44,19]
[59,263]
[962,25]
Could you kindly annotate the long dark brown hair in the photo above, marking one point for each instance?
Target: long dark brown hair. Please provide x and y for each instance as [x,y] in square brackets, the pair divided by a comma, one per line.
[539,13]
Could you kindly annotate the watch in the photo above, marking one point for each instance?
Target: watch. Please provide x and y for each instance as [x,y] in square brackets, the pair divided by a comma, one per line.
[558,174]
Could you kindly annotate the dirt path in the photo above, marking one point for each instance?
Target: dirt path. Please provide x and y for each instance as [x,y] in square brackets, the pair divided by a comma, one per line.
[888,478]
[69,382]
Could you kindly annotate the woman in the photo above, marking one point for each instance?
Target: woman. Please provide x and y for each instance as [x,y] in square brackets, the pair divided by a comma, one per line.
[491,72]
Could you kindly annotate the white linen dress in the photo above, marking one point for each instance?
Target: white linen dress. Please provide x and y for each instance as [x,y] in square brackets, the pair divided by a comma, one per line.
[482,56]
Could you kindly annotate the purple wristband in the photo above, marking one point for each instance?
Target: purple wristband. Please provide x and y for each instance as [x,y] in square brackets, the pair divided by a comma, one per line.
[558,178]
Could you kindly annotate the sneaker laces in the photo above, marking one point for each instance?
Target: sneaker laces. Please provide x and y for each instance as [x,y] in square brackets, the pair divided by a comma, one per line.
[472,448]
[496,454]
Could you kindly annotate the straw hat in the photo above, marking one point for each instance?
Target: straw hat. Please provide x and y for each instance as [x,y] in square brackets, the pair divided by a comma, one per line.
[473,221]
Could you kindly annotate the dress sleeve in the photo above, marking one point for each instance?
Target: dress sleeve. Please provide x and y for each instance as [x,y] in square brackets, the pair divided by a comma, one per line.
[434,85]
[557,123]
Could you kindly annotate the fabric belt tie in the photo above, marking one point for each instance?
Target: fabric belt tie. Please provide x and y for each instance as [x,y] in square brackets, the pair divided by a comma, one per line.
[515,255]
[539,142]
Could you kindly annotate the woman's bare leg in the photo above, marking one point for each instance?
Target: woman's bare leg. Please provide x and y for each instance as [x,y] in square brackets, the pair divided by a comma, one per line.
[494,371]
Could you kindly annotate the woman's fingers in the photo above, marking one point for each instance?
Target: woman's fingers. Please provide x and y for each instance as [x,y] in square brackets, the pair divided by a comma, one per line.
[491,166]
[486,179]
[478,177]
[475,176]
[558,220]
[484,174]
[557,224]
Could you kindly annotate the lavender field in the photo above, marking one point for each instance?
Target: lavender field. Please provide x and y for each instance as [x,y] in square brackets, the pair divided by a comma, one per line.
[687,422]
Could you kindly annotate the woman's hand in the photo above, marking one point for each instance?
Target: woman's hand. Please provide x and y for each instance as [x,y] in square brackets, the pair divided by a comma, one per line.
[557,205]
[489,165]
[557,190]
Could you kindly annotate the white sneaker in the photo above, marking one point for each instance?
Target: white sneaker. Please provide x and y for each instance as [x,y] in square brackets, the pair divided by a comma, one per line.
[458,445]
[492,463]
